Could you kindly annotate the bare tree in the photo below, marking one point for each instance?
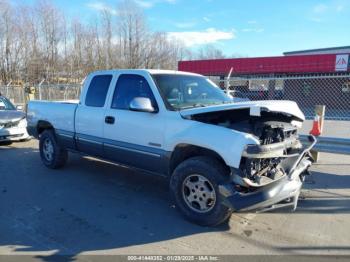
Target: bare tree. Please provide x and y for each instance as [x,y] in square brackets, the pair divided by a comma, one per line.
[6,39]
[133,33]
[51,29]
[210,52]
[107,30]
[38,42]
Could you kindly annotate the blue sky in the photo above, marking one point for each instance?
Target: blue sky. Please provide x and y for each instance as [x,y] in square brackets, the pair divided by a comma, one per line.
[246,27]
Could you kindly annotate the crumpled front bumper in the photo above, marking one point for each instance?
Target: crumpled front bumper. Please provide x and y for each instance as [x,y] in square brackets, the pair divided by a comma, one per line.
[281,193]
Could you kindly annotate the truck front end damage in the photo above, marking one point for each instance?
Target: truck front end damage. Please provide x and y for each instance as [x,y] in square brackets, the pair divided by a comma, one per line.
[268,180]
[271,173]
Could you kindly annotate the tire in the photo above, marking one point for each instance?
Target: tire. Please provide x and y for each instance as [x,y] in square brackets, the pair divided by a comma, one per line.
[52,154]
[199,171]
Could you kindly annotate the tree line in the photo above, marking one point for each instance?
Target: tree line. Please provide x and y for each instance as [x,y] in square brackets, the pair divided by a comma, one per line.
[39,41]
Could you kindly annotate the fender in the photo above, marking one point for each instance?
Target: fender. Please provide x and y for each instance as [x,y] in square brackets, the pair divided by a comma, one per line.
[228,143]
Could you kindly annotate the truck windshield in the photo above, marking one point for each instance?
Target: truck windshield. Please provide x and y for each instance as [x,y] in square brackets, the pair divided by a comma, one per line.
[5,104]
[187,91]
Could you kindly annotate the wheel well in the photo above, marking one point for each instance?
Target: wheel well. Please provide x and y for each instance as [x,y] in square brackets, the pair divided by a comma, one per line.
[185,151]
[42,126]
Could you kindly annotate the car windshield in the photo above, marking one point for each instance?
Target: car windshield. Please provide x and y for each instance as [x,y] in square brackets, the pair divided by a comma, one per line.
[187,91]
[5,104]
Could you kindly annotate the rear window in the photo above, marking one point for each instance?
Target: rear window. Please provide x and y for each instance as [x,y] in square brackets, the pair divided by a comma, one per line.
[97,92]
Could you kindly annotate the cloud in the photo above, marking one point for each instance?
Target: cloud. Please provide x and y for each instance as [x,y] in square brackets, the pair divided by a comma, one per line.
[150,3]
[339,8]
[208,36]
[145,4]
[206,19]
[320,9]
[255,30]
[318,12]
[253,26]
[322,12]
[99,6]
[252,22]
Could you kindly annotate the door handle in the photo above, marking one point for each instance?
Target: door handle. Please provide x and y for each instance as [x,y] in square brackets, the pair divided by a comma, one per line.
[109,120]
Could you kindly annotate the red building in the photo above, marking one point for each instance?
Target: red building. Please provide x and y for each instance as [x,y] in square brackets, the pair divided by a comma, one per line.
[327,60]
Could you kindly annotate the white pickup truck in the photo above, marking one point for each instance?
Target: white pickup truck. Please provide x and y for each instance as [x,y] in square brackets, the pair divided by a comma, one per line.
[219,156]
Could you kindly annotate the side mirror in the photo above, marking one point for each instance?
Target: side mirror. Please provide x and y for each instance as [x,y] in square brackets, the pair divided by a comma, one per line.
[142,104]
[19,108]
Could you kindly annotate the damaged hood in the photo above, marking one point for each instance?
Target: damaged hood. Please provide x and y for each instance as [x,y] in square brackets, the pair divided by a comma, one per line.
[11,116]
[278,106]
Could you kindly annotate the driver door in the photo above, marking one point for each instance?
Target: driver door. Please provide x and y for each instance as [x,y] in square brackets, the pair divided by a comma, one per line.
[131,137]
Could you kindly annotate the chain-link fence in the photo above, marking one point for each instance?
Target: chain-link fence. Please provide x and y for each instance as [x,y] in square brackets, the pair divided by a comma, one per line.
[15,93]
[19,94]
[333,91]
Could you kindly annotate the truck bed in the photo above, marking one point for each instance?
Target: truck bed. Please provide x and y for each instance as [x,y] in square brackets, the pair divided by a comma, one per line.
[60,114]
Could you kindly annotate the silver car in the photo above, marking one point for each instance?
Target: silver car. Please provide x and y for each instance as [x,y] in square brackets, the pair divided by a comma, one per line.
[13,123]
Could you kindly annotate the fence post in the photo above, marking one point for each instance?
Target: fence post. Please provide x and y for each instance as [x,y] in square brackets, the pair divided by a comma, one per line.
[222,82]
[42,81]
[7,88]
[271,90]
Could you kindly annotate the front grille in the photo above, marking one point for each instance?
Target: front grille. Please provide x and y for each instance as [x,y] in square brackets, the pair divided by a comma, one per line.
[9,124]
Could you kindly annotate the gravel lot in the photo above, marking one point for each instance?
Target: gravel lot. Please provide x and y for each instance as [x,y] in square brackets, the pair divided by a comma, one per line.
[94,207]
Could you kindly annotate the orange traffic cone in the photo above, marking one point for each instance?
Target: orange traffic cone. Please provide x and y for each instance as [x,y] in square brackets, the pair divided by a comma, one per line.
[316,130]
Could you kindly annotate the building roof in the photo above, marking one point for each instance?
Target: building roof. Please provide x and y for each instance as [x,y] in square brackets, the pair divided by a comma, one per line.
[328,50]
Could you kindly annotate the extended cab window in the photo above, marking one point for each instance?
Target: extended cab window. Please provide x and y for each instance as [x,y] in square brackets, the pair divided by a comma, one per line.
[97,92]
[128,87]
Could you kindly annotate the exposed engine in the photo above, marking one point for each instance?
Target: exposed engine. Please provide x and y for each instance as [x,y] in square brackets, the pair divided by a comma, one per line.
[261,171]
[273,132]
[271,129]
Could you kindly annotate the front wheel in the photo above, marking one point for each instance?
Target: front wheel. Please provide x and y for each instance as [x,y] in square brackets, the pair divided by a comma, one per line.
[51,153]
[194,186]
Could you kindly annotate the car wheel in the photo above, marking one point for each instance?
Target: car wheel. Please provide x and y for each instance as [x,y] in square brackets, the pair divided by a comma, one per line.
[194,186]
[51,153]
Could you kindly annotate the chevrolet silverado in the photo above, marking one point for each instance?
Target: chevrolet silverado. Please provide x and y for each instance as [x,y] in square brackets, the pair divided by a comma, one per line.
[220,156]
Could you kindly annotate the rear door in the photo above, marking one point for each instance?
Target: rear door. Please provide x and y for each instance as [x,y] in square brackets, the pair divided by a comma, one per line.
[89,117]
[134,138]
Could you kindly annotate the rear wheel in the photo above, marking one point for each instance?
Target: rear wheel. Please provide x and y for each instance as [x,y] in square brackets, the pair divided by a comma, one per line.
[51,153]
[194,186]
